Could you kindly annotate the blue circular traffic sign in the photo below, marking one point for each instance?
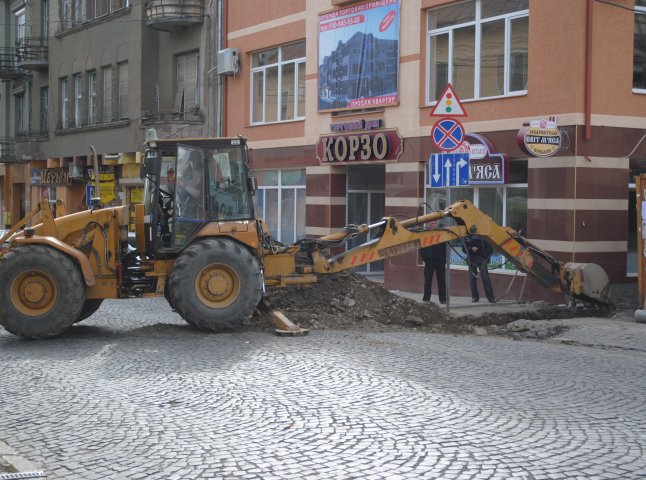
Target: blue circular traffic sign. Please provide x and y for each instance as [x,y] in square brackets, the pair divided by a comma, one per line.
[447,134]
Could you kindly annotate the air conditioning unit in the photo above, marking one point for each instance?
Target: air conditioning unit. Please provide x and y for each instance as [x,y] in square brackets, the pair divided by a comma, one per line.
[228,62]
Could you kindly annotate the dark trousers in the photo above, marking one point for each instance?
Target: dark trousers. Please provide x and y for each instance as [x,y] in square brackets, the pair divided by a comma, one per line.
[439,267]
[474,266]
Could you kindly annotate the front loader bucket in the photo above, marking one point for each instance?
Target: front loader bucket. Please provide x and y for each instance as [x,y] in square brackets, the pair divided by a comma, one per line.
[589,282]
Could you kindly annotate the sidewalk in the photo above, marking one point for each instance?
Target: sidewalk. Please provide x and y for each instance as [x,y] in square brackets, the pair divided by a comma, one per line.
[617,330]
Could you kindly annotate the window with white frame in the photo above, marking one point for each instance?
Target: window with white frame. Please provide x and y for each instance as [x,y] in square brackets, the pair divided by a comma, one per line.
[480,47]
[639,51]
[280,202]
[187,93]
[78,99]
[106,93]
[122,93]
[91,98]
[278,84]
[22,114]
[505,204]
[65,102]
[20,25]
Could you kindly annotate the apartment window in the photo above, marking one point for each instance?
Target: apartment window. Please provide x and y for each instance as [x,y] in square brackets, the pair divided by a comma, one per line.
[65,103]
[639,52]
[78,99]
[22,114]
[280,202]
[66,13]
[44,26]
[77,12]
[20,25]
[187,95]
[91,98]
[106,83]
[278,84]
[122,92]
[480,47]
[44,109]
[505,204]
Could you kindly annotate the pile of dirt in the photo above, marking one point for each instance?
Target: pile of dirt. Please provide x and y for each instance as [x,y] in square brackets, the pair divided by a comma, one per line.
[349,300]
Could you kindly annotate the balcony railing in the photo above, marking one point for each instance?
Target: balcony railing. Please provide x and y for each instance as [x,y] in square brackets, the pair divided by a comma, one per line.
[8,65]
[32,53]
[173,15]
[8,150]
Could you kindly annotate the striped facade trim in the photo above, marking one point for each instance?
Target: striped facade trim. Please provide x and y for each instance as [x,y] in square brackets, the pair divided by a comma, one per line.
[278,22]
[408,202]
[325,200]
[579,162]
[581,247]
[404,167]
[576,204]
[325,170]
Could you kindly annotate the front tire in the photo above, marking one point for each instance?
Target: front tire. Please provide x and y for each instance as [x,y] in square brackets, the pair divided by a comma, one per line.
[215,284]
[42,291]
[90,306]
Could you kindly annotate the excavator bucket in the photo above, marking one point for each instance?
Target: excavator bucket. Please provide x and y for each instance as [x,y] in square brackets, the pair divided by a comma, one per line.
[589,282]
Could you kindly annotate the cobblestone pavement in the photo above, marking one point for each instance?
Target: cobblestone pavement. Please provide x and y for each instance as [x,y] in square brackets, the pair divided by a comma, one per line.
[134,393]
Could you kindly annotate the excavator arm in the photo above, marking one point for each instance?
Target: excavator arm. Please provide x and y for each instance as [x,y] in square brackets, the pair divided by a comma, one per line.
[390,237]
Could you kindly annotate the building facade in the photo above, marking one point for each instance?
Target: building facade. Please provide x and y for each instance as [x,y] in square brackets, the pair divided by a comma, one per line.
[341,102]
[99,73]
[546,95]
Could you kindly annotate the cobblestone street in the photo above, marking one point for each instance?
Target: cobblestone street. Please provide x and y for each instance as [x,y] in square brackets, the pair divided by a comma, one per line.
[135,393]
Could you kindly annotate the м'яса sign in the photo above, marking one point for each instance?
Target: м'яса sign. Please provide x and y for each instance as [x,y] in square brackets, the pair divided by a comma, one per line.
[486,167]
[539,138]
[366,146]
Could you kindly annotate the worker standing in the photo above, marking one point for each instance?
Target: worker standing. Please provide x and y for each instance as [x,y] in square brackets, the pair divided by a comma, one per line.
[434,258]
[478,252]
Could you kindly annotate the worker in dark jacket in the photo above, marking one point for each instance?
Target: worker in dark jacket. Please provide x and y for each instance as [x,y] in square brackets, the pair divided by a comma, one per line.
[434,258]
[478,252]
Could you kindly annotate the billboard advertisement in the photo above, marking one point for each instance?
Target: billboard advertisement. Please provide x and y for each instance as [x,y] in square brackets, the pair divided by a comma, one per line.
[358,58]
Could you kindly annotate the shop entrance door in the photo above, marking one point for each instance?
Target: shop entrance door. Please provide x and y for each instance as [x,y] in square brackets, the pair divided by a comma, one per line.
[366,200]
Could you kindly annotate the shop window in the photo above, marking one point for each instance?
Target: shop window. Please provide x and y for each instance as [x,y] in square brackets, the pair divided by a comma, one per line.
[278,84]
[639,52]
[480,47]
[505,204]
[280,202]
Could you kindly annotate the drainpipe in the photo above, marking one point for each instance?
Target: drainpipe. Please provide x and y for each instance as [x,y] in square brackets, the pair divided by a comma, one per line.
[219,88]
[588,71]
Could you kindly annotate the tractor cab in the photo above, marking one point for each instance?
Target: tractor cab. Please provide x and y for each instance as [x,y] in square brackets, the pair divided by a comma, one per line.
[189,183]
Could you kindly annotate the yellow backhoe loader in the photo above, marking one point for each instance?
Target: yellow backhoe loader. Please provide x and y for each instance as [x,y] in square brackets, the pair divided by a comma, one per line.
[201,245]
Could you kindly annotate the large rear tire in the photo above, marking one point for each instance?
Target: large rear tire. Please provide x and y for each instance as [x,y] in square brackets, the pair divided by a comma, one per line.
[90,306]
[42,291]
[215,284]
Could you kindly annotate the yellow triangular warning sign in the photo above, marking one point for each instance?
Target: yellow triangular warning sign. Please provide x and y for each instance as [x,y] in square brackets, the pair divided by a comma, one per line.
[449,104]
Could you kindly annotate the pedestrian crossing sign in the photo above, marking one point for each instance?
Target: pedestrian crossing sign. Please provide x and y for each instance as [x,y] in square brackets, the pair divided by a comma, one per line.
[449,104]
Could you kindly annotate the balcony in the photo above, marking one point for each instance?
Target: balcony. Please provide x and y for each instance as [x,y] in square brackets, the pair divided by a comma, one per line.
[8,65]
[174,15]
[8,150]
[32,53]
